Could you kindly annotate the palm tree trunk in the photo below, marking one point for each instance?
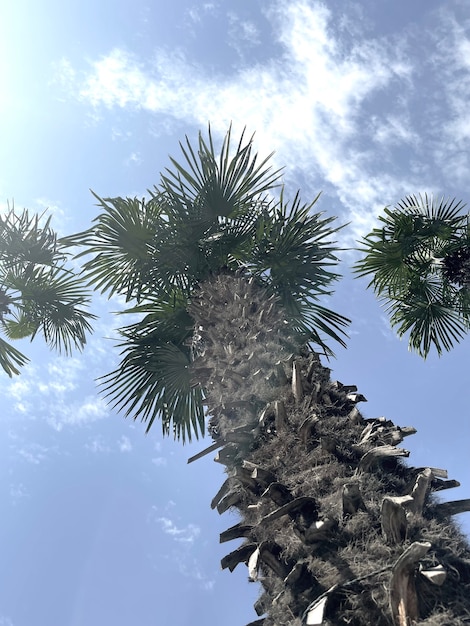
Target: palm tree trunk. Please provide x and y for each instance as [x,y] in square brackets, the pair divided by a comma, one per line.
[335,526]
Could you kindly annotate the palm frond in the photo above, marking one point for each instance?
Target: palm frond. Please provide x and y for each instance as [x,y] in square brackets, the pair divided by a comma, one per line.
[437,210]
[293,254]
[53,302]
[223,187]
[26,241]
[168,319]
[11,358]
[211,214]
[431,323]
[37,290]
[385,260]
[417,265]
[121,243]
[19,326]
[153,381]
[315,323]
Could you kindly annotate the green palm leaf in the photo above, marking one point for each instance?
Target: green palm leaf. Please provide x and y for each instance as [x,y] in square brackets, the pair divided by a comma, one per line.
[11,358]
[419,267]
[154,376]
[226,186]
[154,379]
[122,243]
[26,241]
[210,214]
[52,302]
[430,323]
[38,293]
[19,326]
[292,254]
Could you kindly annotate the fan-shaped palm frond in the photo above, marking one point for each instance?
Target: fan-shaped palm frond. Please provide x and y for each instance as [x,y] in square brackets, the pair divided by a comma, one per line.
[38,293]
[419,265]
[27,241]
[212,187]
[210,214]
[121,243]
[293,254]
[11,358]
[50,302]
[430,322]
[154,376]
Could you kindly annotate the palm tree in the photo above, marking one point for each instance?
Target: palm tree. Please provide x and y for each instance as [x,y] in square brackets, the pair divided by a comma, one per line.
[229,283]
[38,292]
[420,266]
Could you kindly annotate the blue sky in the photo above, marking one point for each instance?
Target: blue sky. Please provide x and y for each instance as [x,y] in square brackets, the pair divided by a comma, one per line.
[364,101]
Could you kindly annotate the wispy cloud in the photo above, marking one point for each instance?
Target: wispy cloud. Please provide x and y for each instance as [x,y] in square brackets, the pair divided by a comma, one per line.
[54,389]
[133,159]
[309,102]
[33,453]
[125,444]
[75,412]
[97,446]
[394,130]
[18,491]
[365,118]
[451,63]
[191,569]
[243,35]
[183,534]
[195,14]
[181,552]
[159,461]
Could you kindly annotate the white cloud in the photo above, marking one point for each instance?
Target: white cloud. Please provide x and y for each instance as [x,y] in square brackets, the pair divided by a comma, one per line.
[77,413]
[134,159]
[393,130]
[19,388]
[191,569]
[365,118]
[451,60]
[97,446]
[33,453]
[182,550]
[18,492]
[159,461]
[185,534]
[64,74]
[196,13]
[243,35]
[308,103]
[50,392]
[64,373]
[118,134]
[125,444]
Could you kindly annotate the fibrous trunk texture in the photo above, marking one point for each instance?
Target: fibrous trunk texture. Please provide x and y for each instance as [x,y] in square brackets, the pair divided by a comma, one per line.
[335,526]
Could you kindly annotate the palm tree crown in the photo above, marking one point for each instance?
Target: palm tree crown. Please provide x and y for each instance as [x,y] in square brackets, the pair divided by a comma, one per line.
[420,266]
[212,214]
[38,292]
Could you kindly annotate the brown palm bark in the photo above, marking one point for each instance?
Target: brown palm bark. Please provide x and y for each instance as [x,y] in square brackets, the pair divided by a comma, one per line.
[335,526]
